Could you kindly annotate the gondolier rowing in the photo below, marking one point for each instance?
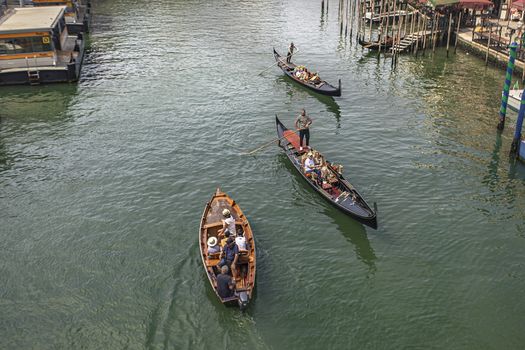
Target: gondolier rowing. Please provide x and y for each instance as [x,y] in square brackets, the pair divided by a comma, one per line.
[302,124]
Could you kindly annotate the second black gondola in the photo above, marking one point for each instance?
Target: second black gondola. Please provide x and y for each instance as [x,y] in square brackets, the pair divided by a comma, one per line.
[322,88]
[374,45]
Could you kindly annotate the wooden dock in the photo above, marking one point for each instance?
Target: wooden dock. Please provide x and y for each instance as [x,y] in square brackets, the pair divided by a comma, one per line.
[379,17]
[409,40]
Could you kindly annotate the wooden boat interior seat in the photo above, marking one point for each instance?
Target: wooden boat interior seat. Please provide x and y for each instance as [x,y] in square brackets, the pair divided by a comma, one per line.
[214,224]
[212,262]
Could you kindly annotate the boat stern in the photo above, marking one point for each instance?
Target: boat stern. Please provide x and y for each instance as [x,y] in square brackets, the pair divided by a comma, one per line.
[243,300]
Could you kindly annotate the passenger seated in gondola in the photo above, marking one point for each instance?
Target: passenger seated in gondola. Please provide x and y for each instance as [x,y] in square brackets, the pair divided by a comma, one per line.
[306,75]
[324,172]
[303,159]
[318,159]
[338,168]
[314,78]
[310,167]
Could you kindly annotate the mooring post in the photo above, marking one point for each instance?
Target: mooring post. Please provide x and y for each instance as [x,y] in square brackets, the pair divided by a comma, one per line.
[457,33]
[412,31]
[418,26]
[449,29]
[352,12]
[381,29]
[506,87]
[435,36]
[358,9]
[403,21]
[425,25]
[372,5]
[386,29]
[346,16]
[515,147]
[488,46]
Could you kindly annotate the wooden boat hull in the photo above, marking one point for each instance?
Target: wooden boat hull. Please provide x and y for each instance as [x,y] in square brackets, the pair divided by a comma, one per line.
[324,89]
[210,223]
[374,46]
[357,208]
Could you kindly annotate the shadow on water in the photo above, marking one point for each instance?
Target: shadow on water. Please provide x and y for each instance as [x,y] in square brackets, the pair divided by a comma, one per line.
[352,230]
[492,178]
[30,108]
[516,170]
[4,159]
[295,90]
[36,103]
[355,233]
[322,23]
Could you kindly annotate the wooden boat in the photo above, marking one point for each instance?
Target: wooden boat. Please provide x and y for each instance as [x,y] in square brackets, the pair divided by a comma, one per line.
[211,222]
[339,192]
[374,45]
[322,87]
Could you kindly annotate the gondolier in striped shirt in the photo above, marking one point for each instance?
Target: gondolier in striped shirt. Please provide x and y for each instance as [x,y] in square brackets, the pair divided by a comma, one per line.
[290,52]
[302,123]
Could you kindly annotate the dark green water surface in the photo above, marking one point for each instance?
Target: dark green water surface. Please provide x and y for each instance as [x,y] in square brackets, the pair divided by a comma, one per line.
[102,185]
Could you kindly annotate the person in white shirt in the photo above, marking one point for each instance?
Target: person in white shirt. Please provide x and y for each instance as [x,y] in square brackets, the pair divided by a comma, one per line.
[241,241]
[309,165]
[227,223]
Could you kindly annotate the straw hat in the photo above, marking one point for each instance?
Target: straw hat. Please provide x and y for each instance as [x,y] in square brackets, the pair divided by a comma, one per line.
[212,241]
[226,212]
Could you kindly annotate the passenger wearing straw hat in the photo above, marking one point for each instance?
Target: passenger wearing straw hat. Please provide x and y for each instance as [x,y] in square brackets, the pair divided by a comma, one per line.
[213,247]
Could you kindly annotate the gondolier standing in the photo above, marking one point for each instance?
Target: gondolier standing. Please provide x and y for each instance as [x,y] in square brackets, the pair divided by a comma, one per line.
[290,52]
[302,123]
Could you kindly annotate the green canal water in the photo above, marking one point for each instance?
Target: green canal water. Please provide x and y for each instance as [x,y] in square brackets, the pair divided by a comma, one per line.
[103,184]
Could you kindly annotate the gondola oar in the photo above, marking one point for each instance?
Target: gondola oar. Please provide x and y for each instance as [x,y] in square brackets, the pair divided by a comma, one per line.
[273,64]
[263,146]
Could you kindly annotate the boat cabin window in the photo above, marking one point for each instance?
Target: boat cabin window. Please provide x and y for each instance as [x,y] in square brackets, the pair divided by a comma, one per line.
[9,46]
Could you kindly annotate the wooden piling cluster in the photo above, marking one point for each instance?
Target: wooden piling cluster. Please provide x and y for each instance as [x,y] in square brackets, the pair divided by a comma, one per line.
[395,26]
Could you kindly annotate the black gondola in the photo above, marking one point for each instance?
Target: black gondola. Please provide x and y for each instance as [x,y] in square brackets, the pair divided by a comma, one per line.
[374,45]
[323,87]
[340,193]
